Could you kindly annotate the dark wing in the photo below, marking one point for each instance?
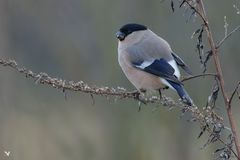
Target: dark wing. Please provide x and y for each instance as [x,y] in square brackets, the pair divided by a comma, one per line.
[160,68]
[181,63]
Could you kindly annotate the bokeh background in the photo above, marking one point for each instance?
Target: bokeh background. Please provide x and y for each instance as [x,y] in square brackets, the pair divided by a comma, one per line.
[75,40]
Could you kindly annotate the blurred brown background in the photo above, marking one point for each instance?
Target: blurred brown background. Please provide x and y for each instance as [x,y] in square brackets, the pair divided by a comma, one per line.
[75,40]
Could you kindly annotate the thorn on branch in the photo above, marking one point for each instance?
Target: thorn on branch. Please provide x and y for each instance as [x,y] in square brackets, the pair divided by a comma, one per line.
[203,129]
[65,95]
[93,100]
[234,92]
[139,106]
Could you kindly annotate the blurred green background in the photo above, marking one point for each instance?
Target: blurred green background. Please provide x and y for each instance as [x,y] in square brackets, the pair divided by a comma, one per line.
[75,40]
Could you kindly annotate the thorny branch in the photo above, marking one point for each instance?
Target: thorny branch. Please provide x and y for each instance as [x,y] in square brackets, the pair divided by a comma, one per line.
[119,92]
[207,117]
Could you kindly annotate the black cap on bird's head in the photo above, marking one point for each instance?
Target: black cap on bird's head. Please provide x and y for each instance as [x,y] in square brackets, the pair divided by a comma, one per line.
[127,29]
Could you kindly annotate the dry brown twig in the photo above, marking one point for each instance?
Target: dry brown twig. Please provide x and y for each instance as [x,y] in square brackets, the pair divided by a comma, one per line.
[227,36]
[200,10]
[221,79]
[199,75]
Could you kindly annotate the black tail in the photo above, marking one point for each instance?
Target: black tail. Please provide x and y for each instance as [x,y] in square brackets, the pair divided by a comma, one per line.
[182,93]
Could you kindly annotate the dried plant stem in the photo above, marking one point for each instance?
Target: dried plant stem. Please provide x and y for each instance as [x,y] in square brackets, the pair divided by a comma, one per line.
[227,36]
[198,75]
[220,77]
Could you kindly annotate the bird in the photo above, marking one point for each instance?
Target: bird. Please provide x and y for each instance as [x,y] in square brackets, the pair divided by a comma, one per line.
[148,61]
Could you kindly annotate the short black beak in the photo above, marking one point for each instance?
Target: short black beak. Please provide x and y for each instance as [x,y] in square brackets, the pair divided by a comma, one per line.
[120,35]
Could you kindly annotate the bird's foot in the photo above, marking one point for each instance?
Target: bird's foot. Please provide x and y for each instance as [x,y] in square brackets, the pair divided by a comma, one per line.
[138,96]
[160,93]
